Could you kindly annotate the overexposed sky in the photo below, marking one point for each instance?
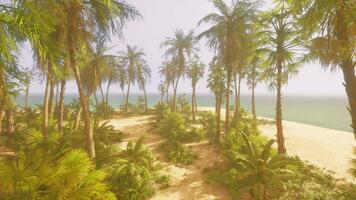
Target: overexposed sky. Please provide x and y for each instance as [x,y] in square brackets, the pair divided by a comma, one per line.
[161,17]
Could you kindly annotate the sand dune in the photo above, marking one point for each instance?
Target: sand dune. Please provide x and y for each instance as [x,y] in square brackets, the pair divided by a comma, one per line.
[325,148]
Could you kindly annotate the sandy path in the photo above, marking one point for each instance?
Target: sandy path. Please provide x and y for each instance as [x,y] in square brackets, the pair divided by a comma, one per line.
[325,148]
[188,181]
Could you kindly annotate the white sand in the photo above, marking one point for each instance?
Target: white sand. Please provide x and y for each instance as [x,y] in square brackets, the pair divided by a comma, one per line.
[325,148]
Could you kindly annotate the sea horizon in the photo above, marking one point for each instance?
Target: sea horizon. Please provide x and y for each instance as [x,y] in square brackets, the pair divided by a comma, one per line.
[328,111]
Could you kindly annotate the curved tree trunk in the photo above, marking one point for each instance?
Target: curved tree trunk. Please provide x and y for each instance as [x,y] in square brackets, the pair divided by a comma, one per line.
[61,107]
[280,136]
[193,104]
[127,97]
[46,108]
[102,93]
[107,92]
[73,19]
[350,87]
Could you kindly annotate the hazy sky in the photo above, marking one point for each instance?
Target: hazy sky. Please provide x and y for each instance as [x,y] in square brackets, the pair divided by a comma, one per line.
[161,17]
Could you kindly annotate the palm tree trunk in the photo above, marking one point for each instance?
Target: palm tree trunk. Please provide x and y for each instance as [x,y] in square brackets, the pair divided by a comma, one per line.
[78,116]
[26,96]
[236,96]
[144,92]
[83,99]
[218,118]
[127,97]
[239,93]
[175,94]
[102,93]
[57,94]
[2,115]
[46,108]
[95,98]
[350,85]
[123,95]
[227,114]
[167,96]
[253,103]
[280,136]
[61,107]
[107,93]
[51,99]
[11,121]
[193,104]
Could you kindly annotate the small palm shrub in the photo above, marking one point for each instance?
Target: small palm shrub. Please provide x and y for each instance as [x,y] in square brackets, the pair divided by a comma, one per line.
[161,110]
[178,153]
[173,126]
[103,111]
[208,120]
[44,169]
[131,174]
[261,172]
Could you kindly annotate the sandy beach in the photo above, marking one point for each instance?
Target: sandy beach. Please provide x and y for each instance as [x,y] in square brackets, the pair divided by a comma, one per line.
[326,148]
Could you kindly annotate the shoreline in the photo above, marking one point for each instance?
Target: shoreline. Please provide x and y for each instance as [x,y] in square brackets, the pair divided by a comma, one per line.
[326,148]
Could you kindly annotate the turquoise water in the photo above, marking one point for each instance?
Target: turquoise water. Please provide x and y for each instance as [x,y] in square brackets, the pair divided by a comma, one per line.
[324,111]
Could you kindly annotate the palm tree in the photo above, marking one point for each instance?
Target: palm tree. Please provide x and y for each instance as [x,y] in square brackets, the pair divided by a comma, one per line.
[131,58]
[81,16]
[195,72]
[217,85]
[282,61]
[254,70]
[167,70]
[143,76]
[122,78]
[162,89]
[329,25]
[262,171]
[229,27]
[179,48]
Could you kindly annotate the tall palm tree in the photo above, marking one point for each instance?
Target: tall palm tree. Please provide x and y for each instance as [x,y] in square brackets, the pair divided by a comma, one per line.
[282,61]
[143,76]
[179,48]
[85,17]
[131,58]
[195,72]
[217,85]
[229,26]
[329,25]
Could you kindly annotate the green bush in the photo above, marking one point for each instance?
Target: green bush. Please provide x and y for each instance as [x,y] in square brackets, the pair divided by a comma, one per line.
[173,126]
[207,119]
[164,181]
[161,110]
[178,153]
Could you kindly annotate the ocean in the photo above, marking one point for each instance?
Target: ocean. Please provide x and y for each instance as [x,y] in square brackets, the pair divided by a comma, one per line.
[324,111]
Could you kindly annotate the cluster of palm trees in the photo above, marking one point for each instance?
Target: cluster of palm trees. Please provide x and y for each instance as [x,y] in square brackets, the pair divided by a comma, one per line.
[264,46]
[68,42]
[182,61]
